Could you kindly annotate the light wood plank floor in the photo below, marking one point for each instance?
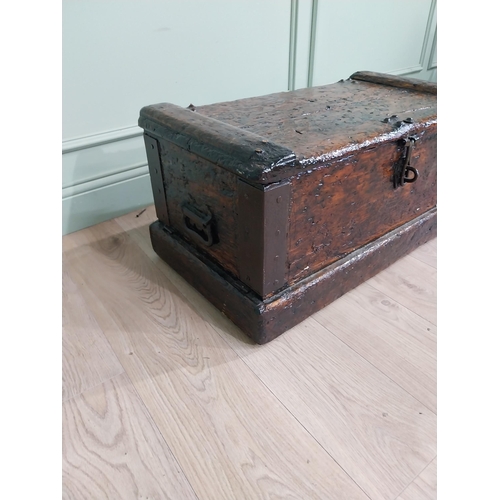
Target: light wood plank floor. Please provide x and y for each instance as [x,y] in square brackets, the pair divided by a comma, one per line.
[163,397]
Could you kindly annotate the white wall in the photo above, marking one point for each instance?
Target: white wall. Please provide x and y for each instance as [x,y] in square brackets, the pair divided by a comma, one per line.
[120,56]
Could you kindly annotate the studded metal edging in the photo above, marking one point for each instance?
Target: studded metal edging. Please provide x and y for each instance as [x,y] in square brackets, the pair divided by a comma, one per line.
[263,214]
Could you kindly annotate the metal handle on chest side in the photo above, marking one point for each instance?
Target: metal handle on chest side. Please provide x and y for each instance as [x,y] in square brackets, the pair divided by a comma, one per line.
[199,226]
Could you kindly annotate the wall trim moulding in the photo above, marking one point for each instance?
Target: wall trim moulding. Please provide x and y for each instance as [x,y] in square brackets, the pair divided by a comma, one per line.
[312,43]
[428,29]
[433,58]
[292,57]
[101,204]
[105,180]
[407,71]
[90,141]
[417,68]
[421,63]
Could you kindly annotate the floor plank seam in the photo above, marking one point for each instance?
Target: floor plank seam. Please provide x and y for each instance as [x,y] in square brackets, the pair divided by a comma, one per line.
[91,387]
[374,366]
[106,340]
[413,480]
[153,422]
[220,334]
[155,426]
[422,262]
[274,402]
[402,305]
[109,343]
[124,371]
[291,413]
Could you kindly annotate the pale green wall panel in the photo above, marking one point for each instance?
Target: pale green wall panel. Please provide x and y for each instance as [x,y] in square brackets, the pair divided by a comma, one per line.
[120,56]
[383,35]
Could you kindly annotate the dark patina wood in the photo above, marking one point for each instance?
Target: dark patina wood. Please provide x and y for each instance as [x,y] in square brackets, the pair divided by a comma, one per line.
[264,320]
[197,185]
[340,208]
[156,175]
[323,123]
[262,235]
[237,150]
[270,138]
[339,158]
[396,81]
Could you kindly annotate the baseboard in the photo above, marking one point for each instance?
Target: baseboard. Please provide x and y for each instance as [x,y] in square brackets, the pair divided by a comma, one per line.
[104,175]
[94,205]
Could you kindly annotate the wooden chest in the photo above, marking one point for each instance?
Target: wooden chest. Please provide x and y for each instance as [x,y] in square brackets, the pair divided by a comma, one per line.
[274,206]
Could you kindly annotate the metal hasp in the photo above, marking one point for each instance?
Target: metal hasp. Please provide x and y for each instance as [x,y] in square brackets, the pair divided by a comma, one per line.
[263,213]
[403,169]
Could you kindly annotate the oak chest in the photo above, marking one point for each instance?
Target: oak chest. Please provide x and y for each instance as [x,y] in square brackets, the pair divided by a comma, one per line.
[274,206]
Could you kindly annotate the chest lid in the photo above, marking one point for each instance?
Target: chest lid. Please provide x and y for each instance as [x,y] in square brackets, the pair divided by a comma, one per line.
[270,138]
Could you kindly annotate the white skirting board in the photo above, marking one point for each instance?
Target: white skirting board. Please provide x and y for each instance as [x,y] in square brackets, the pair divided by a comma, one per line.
[104,176]
[92,206]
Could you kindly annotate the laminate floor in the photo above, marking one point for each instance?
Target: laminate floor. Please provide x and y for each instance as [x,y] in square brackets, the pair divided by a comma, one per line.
[163,397]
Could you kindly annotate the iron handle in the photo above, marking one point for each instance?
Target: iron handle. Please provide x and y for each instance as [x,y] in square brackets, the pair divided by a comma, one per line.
[199,226]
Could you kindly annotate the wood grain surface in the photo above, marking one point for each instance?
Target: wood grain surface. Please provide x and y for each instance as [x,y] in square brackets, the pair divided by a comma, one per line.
[270,138]
[340,148]
[112,449]
[427,253]
[192,181]
[402,345]
[325,411]
[315,122]
[231,436]
[380,435]
[411,283]
[87,357]
[424,487]
[337,209]
[396,81]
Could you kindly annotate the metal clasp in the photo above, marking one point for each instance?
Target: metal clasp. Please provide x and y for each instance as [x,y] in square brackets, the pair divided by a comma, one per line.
[402,169]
